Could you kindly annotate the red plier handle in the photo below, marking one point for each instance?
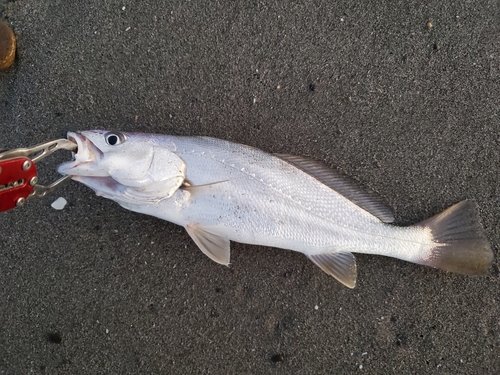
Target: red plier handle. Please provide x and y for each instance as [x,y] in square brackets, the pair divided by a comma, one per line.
[18,174]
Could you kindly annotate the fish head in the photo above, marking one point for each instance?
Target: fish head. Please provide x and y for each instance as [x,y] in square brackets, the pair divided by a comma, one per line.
[124,166]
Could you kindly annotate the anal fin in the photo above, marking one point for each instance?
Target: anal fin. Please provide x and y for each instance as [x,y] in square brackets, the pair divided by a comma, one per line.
[342,266]
[214,245]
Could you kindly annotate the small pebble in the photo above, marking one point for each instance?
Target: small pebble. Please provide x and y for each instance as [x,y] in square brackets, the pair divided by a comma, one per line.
[54,338]
[59,203]
[7,46]
[277,358]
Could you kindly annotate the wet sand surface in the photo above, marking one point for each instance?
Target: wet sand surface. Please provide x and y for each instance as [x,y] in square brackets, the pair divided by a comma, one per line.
[404,97]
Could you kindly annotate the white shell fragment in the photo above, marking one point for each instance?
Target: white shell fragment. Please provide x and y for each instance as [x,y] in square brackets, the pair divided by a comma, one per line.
[59,203]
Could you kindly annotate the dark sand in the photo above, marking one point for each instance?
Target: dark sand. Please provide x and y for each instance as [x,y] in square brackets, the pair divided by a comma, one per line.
[408,108]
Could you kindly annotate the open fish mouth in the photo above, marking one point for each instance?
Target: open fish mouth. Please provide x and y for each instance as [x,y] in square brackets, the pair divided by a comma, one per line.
[71,137]
[86,158]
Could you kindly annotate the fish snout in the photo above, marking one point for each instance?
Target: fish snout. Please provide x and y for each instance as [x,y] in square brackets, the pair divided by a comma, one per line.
[86,156]
[86,150]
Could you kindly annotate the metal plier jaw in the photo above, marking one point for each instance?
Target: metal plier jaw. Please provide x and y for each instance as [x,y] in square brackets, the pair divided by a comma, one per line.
[18,173]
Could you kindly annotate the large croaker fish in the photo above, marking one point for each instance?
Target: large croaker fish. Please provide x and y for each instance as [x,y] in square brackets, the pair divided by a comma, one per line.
[221,192]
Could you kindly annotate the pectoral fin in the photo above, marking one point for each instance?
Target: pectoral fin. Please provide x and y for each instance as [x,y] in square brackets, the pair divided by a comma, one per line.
[342,266]
[196,188]
[214,245]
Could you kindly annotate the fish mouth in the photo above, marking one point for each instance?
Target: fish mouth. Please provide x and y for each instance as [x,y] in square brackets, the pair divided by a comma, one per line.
[71,137]
[86,158]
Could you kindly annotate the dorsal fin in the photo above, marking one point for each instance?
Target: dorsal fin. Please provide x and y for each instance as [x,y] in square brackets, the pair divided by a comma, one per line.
[365,198]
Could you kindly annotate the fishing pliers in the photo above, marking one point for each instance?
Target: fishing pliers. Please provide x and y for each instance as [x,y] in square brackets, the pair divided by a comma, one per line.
[18,173]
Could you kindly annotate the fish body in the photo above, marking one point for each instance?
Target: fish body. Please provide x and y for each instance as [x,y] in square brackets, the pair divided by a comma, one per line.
[222,191]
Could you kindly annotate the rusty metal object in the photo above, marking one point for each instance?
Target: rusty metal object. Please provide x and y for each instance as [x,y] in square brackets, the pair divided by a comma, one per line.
[7,46]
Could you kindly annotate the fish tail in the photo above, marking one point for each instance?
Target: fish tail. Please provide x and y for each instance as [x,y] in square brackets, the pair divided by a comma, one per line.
[460,243]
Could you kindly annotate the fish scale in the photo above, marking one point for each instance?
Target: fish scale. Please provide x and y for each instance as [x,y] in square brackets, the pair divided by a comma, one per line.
[312,210]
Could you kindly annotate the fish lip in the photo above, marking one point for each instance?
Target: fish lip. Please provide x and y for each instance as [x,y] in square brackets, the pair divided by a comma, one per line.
[85,144]
[75,139]
[86,152]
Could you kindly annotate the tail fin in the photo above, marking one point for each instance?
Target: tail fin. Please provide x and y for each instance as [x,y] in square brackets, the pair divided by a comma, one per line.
[461,245]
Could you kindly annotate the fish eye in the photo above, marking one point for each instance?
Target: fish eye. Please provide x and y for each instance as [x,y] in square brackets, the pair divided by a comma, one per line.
[114,138]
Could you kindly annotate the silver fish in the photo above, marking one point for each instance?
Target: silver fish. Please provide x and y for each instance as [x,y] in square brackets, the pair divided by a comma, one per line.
[221,192]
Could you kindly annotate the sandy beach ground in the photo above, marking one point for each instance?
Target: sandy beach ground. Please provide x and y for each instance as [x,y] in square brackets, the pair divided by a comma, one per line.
[403,96]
